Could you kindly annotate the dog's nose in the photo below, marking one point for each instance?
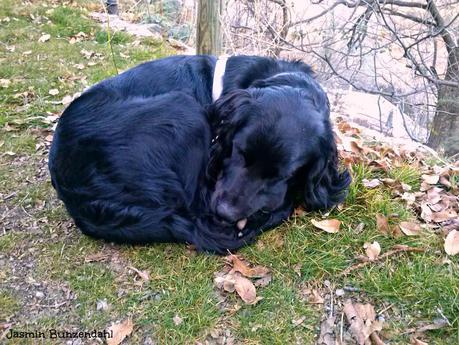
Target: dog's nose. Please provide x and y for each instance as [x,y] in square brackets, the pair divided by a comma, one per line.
[227,212]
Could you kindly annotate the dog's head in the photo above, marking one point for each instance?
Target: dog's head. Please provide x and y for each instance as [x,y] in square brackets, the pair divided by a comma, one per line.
[272,142]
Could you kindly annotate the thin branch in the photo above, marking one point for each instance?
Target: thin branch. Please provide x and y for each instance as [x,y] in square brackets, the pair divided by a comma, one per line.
[409,16]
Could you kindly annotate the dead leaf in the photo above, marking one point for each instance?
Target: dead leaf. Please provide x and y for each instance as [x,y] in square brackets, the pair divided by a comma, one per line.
[362,320]
[241,267]
[97,257]
[327,331]
[359,228]
[410,198]
[53,92]
[445,181]
[426,213]
[405,187]
[67,100]
[177,320]
[452,243]
[415,341]
[443,216]
[102,305]
[372,183]
[382,224]
[44,38]
[120,331]
[329,225]
[410,228]
[372,250]
[298,321]
[389,181]
[315,297]
[262,282]
[144,275]
[5,83]
[245,289]
[437,323]
[430,179]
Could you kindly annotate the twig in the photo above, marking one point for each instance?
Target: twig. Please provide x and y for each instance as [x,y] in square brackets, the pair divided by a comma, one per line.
[375,339]
[341,329]
[397,250]
[109,38]
[56,305]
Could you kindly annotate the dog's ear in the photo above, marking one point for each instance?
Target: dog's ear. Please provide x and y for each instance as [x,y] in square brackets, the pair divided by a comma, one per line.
[226,115]
[325,186]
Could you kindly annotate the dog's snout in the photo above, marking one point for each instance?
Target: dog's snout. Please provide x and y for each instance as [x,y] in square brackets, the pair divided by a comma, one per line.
[227,212]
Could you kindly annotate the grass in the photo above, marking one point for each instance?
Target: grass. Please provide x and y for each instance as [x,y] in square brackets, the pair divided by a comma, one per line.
[8,305]
[40,248]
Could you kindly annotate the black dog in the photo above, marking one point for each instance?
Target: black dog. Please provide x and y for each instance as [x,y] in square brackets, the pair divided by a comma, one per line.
[142,157]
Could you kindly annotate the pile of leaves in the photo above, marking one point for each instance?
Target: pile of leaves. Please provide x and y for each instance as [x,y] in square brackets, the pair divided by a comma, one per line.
[435,204]
[238,277]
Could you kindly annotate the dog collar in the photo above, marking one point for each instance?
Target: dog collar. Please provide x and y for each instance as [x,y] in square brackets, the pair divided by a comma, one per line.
[219,72]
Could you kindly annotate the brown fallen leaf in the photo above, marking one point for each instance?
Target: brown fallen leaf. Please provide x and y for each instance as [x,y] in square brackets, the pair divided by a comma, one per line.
[434,195]
[362,320]
[415,341]
[44,38]
[327,331]
[382,224]
[315,297]
[225,282]
[443,216]
[430,179]
[452,243]
[426,212]
[371,183]
[389,181]
[405,187]
[53,92]
[359,228]
[410,198]
[120,331]
[144,275]
[241,267]
[5,83]
[437,323]
[372,250]
[245,289]
[328,225]
[97,257]
[177,320]
[357,326]
[445,181]
[262,282]
[410,228]
[298,321]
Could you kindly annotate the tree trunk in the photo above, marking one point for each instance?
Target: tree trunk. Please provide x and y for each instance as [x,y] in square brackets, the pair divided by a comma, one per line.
[208,32]
[444,133]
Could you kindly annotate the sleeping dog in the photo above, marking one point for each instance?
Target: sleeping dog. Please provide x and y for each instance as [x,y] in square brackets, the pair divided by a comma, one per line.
[147,156]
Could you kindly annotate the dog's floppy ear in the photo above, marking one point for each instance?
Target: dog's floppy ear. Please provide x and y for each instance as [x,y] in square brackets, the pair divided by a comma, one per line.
[325,185]
[226,115]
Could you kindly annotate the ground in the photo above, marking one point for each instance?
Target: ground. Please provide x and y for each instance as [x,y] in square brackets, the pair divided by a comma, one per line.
[51,276]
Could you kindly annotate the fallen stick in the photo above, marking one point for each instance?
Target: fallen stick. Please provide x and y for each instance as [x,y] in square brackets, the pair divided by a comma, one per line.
[397,249]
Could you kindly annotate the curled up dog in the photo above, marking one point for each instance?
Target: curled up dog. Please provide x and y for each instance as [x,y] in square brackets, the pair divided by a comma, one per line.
[149,156]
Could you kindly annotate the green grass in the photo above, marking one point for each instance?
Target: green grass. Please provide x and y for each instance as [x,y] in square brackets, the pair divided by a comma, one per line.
[181,282]
[9,305]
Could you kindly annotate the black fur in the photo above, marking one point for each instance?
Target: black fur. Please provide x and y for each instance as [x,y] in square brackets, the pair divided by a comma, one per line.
[134,161]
